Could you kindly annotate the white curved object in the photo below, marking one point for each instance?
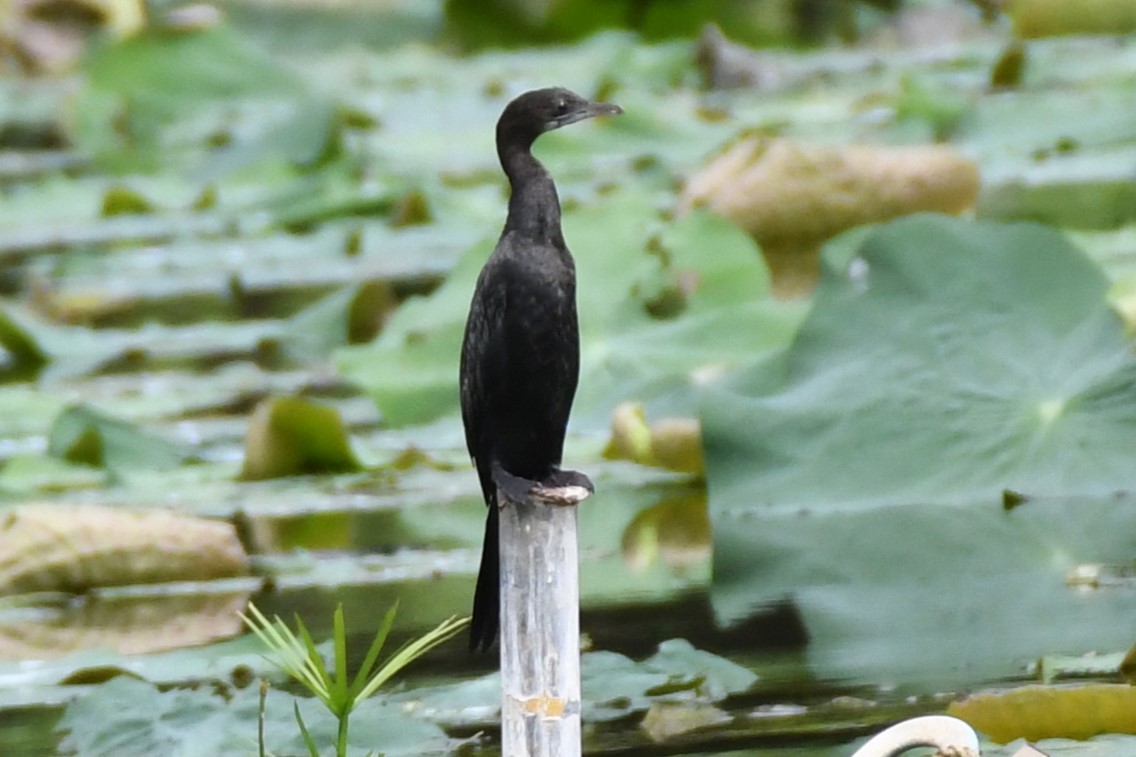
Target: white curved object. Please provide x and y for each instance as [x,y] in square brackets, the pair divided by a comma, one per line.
[938,731]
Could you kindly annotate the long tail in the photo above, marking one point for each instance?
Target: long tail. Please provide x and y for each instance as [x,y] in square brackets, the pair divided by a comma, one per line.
[487,596]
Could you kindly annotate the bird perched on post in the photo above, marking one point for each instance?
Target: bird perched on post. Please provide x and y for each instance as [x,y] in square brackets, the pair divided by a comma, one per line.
[520,358]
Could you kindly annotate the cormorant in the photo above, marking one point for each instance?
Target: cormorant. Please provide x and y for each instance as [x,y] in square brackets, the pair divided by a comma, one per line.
[520,358]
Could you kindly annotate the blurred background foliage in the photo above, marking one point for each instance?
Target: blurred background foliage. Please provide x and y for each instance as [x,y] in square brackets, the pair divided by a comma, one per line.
[871,460]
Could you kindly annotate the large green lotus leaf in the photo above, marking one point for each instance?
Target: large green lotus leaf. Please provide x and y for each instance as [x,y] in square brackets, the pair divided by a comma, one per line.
[50,682]
[128,716]
[950,360]
[661,305]
[931,593]
[417,137]
[412,368]
[139,86]
[614,686]
[861,472]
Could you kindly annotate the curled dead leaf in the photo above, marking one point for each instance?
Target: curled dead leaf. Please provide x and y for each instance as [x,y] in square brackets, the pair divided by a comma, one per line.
[791,197]
[291,436]
[676,444]
[76,548]
[630,434]
[49,36]
[676,530]
[194,17]
[671,443]
[1051,18]
[666,720]
[1128,666]
[1042,712]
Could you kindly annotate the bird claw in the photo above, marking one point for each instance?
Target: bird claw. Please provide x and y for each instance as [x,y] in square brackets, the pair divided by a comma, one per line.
[561,487]
[564,488]
[563,478]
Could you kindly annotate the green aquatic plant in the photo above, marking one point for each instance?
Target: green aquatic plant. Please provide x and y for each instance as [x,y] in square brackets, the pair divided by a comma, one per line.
[297,655]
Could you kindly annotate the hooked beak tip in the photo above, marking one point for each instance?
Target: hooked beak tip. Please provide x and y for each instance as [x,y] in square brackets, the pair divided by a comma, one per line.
[590,110]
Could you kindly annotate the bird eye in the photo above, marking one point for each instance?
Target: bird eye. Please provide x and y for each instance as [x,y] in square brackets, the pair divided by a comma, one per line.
[561,106]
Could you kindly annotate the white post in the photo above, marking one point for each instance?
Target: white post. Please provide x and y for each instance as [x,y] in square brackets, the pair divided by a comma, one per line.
[540,624]
[942,732]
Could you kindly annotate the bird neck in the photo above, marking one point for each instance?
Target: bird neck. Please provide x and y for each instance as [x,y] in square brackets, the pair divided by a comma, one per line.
[534,206]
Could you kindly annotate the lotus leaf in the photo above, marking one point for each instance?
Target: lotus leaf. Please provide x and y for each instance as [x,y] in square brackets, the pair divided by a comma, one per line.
[204,723]
[862,471]
[662,306]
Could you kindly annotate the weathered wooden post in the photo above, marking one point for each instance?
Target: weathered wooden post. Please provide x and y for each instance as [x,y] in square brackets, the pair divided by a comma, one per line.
[540,623]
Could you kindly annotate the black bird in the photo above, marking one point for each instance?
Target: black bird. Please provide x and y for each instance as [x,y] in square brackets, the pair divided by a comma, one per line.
[520,358]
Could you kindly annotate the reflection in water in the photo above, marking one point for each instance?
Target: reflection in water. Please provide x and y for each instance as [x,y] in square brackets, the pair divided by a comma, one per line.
[309,531]
[127,625]
[677,529]
[622,628]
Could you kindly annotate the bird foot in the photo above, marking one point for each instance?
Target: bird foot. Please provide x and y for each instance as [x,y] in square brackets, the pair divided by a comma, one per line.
[564,488]
[515,488]
[561,478]
[561,487]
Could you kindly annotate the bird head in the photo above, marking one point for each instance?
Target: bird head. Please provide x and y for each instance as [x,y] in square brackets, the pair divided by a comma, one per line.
[541,110]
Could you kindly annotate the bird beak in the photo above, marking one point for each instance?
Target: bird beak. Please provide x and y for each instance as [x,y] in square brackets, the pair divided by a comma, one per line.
[603,109]
[591,110]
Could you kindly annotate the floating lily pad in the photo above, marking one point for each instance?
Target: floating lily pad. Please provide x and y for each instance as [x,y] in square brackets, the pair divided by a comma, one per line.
[614,685]
[30,474]
[662,306]
[204,722]
[23,355]
[121,200]
[353,315]
[664,721]
[83,435]
[1093,665]
[139,85]
[950,360]
[862,472]
[46,681]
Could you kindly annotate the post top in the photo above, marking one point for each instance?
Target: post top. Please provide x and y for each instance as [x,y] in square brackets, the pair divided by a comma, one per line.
[559,496]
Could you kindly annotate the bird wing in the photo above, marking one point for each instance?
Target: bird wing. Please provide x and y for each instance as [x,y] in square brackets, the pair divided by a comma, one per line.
[484,360]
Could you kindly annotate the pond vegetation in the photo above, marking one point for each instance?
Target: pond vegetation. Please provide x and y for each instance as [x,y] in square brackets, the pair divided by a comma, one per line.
[848,468]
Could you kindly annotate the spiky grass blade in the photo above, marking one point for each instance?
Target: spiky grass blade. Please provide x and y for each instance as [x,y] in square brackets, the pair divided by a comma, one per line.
[315,666]
[278,639]
[299,657]
[293,656]
[272,638]
[412,651]
[364,673]
[339,687]
[313,750]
